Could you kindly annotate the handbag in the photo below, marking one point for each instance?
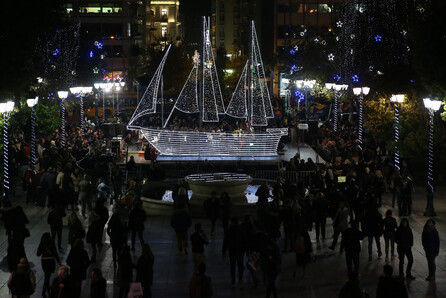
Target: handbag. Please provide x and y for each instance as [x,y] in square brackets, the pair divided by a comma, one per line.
[135,290]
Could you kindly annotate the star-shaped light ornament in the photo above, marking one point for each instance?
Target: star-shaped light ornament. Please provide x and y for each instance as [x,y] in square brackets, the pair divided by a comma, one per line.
[292,52]
[316,40]
[404,32]
[339,24]
[371,68]
[95,70]
[296,48]
[331,57]
[336,77]
[378,38]
[355,78]
[294,68]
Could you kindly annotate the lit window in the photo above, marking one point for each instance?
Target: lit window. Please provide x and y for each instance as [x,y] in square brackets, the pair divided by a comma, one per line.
[164,12]
[164,31]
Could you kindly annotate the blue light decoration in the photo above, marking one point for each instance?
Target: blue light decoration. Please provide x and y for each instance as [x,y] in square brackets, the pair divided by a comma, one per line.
[292,52]
[56,52]
[91,54]
[336,77]
[299,95]
[294,68]
[378,38]
[100,45]
[355,78]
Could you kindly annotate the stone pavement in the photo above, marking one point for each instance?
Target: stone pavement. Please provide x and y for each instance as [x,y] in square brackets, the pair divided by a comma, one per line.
[324,277]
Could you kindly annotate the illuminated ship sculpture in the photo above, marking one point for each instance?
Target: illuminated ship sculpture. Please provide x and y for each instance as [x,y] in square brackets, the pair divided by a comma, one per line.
[250,101]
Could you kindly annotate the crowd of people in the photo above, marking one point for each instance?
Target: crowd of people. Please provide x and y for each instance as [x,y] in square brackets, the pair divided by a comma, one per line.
[82,182]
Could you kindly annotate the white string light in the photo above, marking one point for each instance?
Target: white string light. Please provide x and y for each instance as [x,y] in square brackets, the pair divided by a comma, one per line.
[237,107]
[6,108]
[195,143]
[147,104]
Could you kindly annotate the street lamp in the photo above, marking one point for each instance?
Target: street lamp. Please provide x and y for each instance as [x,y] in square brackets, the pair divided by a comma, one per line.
[397,99]
[336,88]
[432,106]
[360,91]
[6,108]
[63,95]
[118,86]
[81,92]
[32,102]
[305,85]
[102,87]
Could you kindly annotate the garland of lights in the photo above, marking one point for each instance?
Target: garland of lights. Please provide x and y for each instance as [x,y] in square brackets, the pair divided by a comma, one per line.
[5,157]
[360,122]
[430,165]
[62,106]
[33,139]
[82,115]
[335,112]
[397,136]
[103,107]
[237,107]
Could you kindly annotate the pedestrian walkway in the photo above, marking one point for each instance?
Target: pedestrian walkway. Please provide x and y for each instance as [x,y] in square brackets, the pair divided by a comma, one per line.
[324,276]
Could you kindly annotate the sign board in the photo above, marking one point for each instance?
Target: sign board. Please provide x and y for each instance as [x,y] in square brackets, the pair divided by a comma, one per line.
[302,126]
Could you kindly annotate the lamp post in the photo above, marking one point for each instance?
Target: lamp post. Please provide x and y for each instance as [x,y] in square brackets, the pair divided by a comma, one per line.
[432,106]
[32,102]
[102,87]
[6,108]
[397,99]
[336,88]
[81,92]
[63,95]
[360,91]
[305,85]
[117,87]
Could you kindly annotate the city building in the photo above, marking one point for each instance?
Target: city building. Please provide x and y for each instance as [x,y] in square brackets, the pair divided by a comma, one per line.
[166,25]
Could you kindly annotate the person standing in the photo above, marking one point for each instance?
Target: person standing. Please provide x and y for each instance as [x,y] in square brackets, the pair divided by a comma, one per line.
[85,194]
[94,233]
[98,284]
[320,209]
[47,249]
[79,262]
[226,206]
[431,245]
[62,286]
[125,272]
[181,222]
[351,240]
[404,241]
[102,212]
[55,220]
[117,233]
[212,209]
[233,242]
[272,263]
[200,284]
[303,249]
[75,228]
[137,217]
[390,227]
[198,240]
[144,270]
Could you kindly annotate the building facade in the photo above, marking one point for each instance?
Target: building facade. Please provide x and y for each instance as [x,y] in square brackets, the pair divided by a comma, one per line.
[165,22]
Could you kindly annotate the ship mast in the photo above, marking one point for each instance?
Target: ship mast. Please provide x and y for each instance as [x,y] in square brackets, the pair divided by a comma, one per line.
[250,82]
[201,96]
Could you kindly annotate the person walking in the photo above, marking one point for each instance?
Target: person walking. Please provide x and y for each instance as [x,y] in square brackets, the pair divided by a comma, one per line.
[117,232]
[198,240]
[98,284]
[49,257]
[144,270]
[340,223]
[85,194]
[404,241]
[125,272]
[390,227]
[372,226]
[390,286]
[55,220]
[320,209]
[181,222]
[137,217]
[226,208]
[233,242]
[75,228]
[22,282]
[351,240]
[62,286]
[79,262]
[102,212]
[431,245]
[94,233]
[303,249]
[272,263]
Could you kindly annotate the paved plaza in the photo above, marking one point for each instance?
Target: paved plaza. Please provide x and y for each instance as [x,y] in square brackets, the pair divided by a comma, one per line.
[324,277]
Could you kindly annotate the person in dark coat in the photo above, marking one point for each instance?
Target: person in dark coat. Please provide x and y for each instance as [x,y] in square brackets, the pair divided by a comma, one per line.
[98,284]
[226,206]
[320,210]
[234,243]
[212,209]
[94,233]
[18,225]
[75,228]
[289,226]
[390,227]
[102,212]
[144,270]
[372,226]
[47,250]
[303,249]
[137,217]
[62,286]
[79,262]
[181,222]
[390,286]
[352,243]
[125,272]
[431,245]
[55,220]
[198,240]
[404,241]
[16,251]
[200,284]
[22,282]
[272,264]
[117,232]
[352,288]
